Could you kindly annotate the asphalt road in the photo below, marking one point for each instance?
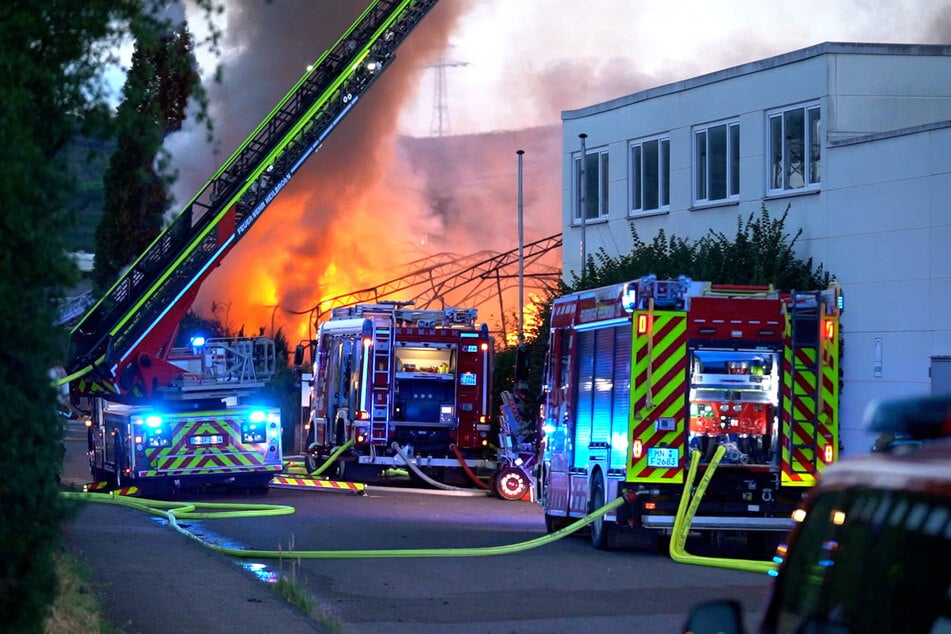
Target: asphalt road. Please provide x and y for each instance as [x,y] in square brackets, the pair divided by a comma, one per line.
[566,586]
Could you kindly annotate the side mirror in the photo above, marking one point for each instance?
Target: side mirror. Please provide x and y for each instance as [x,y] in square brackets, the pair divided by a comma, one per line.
[715,617]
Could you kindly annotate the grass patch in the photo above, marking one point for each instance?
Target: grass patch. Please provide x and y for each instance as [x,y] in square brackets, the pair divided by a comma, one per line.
[76,609]
[295,592]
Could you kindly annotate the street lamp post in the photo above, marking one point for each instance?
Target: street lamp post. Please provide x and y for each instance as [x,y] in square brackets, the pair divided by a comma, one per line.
[521,256]
[582,203]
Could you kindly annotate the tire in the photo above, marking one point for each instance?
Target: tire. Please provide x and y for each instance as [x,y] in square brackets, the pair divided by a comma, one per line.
[600,528]
[511,483]
[310,461]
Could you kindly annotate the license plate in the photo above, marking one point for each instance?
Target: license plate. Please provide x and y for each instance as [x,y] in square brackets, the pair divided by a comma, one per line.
[663,457]
[201,441]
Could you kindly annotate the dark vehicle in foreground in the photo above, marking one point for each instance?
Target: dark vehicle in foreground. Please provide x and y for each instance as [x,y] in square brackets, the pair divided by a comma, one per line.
[870,548]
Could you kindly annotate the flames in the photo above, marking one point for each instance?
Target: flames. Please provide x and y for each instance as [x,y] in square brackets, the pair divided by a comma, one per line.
[369,201]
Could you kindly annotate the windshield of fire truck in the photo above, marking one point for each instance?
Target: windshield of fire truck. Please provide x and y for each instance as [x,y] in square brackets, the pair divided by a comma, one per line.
[734,401]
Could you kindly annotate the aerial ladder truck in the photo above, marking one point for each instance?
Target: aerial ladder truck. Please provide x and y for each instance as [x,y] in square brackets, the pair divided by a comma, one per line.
[163,417]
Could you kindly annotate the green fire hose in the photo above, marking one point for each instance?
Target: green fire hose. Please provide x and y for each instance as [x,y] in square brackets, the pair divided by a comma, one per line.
[684,518]
[174,511]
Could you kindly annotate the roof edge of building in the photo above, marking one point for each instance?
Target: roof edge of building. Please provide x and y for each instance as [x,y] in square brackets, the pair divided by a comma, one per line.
[842,141]
[824,48]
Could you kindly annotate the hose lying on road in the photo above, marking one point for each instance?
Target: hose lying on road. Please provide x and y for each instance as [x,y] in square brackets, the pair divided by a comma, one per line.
[175,511]
[425,478]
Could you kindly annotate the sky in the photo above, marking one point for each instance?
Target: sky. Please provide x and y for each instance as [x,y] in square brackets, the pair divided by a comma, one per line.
[527,60]
[371,201]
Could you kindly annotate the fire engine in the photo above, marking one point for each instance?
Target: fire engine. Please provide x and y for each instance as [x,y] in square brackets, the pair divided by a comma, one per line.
[206,425]
[410,388]
[640,374]
[160,416]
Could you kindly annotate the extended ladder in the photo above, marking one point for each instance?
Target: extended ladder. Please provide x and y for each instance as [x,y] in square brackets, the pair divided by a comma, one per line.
[171,270]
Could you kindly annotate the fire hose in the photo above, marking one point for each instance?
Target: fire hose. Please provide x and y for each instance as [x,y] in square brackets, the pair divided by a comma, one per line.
[336,454]
[413,467]
[686,511]
[425,478]
[175,511]
[462,462]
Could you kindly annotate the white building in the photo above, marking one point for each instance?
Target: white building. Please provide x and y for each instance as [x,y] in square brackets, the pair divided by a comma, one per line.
[855,137]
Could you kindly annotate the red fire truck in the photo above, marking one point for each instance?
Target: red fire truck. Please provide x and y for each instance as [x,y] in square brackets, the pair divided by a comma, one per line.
[410,388]
[640,374]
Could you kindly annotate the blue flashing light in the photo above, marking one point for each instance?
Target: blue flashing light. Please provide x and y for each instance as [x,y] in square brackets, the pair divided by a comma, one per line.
[629,296]
[257,416]
[197,341]
[153,421]
[773,573]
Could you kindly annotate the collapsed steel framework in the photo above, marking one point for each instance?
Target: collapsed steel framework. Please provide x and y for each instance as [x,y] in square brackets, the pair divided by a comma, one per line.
[470,280]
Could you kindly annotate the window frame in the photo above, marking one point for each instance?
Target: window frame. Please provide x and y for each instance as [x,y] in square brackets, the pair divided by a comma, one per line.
[637,171]
[811,148]
[702,168]
[602,186]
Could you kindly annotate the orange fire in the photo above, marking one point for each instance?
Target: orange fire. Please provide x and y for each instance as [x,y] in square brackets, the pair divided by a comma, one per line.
[370,201]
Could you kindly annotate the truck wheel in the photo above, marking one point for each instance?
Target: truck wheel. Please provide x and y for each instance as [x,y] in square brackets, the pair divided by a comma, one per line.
[310,460]
[600,528]
[511,483]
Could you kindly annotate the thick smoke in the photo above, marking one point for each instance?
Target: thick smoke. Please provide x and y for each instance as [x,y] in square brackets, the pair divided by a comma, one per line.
[352,211]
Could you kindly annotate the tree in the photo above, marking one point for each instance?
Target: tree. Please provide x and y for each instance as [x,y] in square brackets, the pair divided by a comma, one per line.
[51,87]
[762,252]
[162,78]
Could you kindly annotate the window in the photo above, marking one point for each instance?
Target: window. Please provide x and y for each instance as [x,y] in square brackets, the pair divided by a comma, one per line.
[795,149]
[717,162]
[595,191]
[650,175]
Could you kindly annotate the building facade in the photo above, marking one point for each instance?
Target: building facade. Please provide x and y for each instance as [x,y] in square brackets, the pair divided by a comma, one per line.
[854,138]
